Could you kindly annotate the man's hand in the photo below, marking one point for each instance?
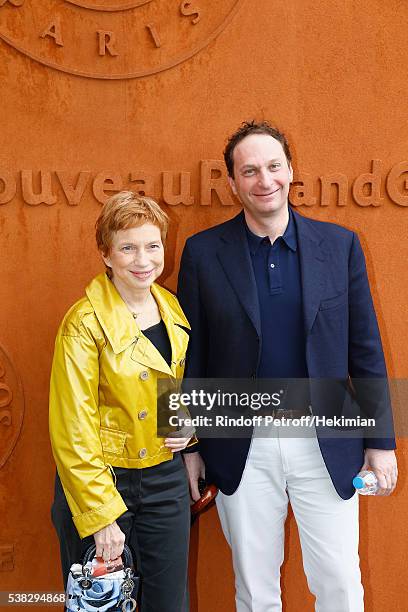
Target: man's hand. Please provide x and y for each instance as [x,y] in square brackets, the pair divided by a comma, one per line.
[109,542]
[195,470]
[384,465]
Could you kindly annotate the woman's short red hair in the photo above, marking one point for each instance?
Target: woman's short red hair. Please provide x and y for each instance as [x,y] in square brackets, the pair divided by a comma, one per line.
[125,210]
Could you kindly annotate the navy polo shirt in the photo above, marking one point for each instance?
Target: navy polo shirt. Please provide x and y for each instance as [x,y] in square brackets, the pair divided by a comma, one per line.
[278,279]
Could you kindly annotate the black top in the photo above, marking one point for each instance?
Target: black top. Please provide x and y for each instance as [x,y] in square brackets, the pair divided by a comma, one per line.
[157,334]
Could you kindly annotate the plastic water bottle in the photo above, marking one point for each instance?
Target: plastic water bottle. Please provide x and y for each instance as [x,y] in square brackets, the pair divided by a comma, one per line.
[366,483]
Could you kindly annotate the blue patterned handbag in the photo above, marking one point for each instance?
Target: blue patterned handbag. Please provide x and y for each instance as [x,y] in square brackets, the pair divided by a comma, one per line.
[115,592]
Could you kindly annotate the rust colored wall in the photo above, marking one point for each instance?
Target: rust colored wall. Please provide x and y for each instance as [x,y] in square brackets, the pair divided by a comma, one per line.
[162,85]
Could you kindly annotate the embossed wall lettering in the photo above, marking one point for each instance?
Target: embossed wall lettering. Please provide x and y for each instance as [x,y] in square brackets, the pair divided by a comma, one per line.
[367,190]
[142,183]
[393,184]
[53,30]
[176,188]
[6,558]
[337,183]
[155,36]
[8,187]
[213,179]
[366,187]
[11,406]
[189,8]
[302,190]
[43,194]
[184,192]
[107,42]
[105,184]
[73,193]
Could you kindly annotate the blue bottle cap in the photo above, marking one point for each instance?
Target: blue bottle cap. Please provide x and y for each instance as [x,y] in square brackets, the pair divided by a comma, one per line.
[358,482]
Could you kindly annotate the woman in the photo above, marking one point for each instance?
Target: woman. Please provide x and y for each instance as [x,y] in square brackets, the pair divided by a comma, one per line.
[115,476]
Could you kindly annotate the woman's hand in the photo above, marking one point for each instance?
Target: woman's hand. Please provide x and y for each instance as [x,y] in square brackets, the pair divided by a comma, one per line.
[176,444]
[109,542]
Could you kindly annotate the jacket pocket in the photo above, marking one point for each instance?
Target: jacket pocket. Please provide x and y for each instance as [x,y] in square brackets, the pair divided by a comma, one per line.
[333,302]
[113,440]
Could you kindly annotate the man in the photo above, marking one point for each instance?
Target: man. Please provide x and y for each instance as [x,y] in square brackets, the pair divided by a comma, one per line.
[272,294]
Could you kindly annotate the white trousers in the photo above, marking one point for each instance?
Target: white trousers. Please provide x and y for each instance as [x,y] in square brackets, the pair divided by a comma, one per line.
[281,470]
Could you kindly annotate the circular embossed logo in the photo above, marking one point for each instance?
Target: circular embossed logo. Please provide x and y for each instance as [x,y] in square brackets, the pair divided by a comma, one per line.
[113,39]
[11,407]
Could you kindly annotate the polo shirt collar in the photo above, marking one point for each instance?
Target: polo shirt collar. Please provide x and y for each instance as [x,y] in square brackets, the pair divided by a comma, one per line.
[289,237]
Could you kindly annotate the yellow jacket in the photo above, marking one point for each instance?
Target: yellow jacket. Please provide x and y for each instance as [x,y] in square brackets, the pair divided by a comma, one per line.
[103,398]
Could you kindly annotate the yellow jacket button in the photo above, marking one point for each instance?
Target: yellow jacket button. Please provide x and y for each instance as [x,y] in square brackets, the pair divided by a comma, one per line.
[182,362]
[142,453]
[142,414]
[144,375]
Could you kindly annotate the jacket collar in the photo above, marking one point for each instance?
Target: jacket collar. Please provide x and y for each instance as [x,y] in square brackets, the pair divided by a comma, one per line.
[235,258]
[313,266]
[116,319]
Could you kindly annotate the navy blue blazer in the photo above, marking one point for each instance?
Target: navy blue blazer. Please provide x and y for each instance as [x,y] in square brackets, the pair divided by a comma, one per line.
[218,293]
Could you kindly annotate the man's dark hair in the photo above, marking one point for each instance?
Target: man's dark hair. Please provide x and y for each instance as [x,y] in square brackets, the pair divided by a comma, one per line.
[246,129]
